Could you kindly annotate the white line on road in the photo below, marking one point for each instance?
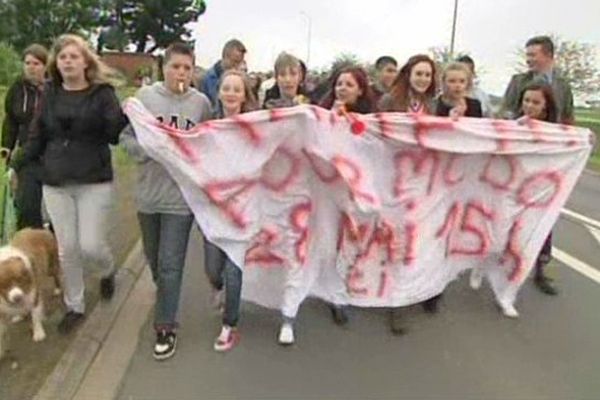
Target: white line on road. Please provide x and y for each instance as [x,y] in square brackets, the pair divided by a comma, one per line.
[580,217]
[578,265]
[595,233]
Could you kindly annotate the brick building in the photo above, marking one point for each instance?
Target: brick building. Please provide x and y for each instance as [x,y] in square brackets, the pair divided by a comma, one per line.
[133,65]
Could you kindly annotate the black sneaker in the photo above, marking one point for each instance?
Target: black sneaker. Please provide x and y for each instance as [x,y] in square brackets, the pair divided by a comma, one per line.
[107,287]
[544,284]
[396,323]
[166,342]
[71,320]
[339,314]
[431,306]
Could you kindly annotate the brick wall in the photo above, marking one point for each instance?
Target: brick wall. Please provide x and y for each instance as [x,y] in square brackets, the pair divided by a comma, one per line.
[130,63]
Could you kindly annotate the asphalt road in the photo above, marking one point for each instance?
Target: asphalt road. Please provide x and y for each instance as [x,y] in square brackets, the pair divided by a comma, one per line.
[466,351]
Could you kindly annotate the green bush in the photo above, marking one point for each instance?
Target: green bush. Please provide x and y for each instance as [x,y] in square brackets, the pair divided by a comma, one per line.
[10,64]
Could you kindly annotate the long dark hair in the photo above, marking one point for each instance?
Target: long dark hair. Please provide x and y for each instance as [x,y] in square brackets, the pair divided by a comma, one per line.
[400,91]
[365,104]
[551,109]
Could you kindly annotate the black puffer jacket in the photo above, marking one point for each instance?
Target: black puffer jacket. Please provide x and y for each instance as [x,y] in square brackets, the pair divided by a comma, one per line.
[20,104]
[71,132]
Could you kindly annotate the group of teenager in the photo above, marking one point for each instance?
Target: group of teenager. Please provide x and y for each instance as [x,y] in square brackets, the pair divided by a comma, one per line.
[63,114]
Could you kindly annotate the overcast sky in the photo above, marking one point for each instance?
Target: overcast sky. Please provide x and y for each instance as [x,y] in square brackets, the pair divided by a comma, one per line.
[490,30]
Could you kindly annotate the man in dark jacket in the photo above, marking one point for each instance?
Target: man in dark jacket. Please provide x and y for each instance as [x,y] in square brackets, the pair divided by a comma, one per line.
[540,60]
[232,57]
[20,104]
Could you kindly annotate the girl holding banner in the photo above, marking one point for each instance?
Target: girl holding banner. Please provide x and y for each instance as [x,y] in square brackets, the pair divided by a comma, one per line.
[235,97]
[537,102]
[414,88]
[413,91]
[350,92]
[457,81]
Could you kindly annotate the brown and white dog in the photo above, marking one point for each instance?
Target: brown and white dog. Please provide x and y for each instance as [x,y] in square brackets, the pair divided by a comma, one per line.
[25,263]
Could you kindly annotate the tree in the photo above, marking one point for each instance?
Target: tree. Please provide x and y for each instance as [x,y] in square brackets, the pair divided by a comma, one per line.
[576,62]
[343,60]
[150,24]
[442,56]
[23,22]
[10,64]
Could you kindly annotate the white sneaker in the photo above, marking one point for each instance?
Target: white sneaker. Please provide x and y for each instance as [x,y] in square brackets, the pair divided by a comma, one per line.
[286,334]
[508,309]
[476,278]
[227,339]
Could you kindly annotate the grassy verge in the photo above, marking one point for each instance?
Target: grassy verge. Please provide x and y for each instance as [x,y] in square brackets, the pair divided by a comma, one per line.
[590,118]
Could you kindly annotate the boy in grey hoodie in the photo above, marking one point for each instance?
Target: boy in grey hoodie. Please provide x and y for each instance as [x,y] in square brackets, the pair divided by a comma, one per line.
[165,218]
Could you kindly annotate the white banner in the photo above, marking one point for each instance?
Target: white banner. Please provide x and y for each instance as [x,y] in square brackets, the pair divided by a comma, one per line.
[369,210]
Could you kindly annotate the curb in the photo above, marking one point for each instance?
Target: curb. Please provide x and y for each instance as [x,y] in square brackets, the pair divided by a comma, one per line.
[64,380]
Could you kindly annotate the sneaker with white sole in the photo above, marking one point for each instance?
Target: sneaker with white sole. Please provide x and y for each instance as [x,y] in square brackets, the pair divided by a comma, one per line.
[508,309]
[227,339]
[476,278]
[166,343]
[286,334]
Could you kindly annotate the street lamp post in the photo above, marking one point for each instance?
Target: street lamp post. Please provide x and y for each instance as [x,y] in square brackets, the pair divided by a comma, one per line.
[309,35]
[453,28]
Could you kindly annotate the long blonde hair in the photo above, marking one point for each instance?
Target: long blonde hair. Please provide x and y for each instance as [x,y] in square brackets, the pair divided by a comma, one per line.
[96,72]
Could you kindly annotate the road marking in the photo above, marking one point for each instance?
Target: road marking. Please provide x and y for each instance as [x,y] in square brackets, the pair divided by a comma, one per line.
[595,233]
[576,264]
[581,218]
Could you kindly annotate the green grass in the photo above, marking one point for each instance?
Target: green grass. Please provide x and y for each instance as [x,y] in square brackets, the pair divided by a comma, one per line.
[590,118]
[588,112]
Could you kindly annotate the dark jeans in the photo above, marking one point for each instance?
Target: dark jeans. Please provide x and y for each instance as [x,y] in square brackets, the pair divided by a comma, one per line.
[28,197]
[221,271]
[165,238]
[544,257]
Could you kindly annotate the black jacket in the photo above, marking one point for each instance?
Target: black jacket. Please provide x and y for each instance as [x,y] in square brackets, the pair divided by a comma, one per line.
[19,106]
[71,132]
[473,108]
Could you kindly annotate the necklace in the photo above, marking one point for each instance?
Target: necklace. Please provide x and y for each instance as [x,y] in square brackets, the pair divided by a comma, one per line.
[416,106]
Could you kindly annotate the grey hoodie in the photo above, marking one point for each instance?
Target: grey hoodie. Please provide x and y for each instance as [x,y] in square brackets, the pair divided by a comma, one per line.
[156,191]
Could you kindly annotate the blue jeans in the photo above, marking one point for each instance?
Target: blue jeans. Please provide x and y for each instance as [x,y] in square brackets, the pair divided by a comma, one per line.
[221,271]
[165,238]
